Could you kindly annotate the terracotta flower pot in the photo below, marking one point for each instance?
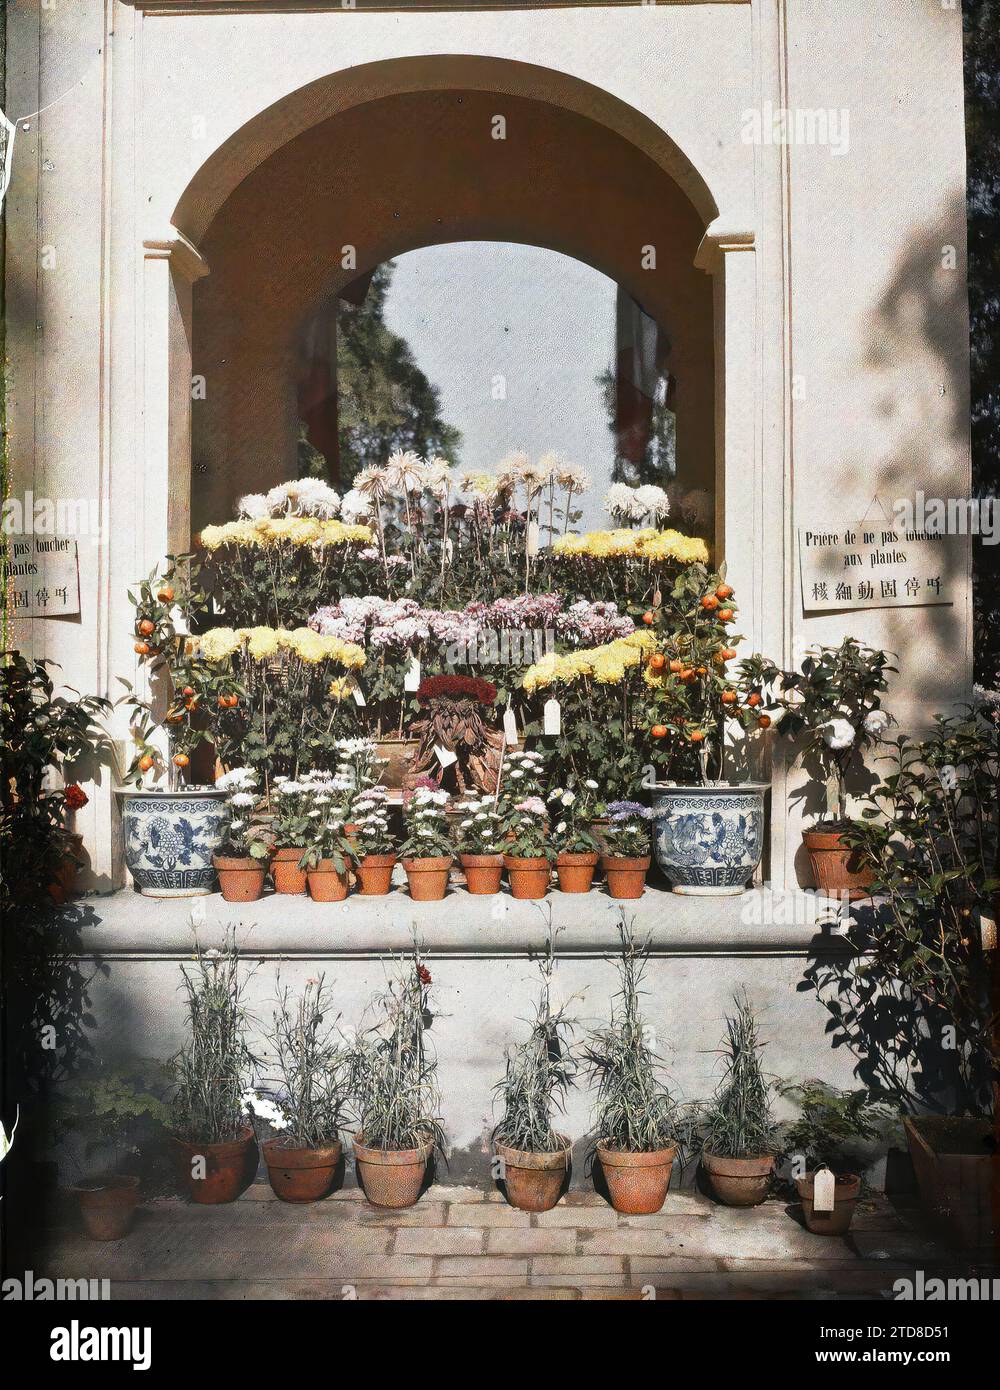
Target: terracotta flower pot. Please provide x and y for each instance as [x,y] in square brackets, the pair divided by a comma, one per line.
[637,1182]
[847,1188]
[529,878]
[482,872]
[224,1169]
[301,1175]
[375,875]
[288,877]
[107,1206]
[626,877]
[576,872]
[739,1182]
[428,878]
[534,1181]
[391,1177]
[837,869]
[326,884]
[240,880]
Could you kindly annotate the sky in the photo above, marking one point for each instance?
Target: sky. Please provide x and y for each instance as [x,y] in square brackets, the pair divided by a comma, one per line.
[545,323]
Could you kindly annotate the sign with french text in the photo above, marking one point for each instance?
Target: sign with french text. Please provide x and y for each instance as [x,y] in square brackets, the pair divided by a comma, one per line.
[873,564]
[43,577]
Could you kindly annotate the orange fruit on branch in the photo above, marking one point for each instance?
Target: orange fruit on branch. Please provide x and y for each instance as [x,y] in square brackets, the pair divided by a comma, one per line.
[725,615]
[696,736]
[145,762]
[657,661]
[764,721]
[649,618]
[709,601]
[181,760]
[659,731]
[166,594]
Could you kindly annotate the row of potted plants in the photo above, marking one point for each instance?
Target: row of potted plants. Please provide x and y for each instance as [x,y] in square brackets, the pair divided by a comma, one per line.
[312,1079]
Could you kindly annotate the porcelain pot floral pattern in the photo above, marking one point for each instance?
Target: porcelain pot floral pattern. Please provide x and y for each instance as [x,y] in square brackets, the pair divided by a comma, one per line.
[709,839]
[170,838]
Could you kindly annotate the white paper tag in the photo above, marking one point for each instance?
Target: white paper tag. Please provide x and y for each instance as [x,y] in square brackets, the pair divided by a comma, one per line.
[531,541]
[449,549]
[823,1188]
[444,757]
[552,717]
[411,681]
[510,726]
[358,694]
[179,621]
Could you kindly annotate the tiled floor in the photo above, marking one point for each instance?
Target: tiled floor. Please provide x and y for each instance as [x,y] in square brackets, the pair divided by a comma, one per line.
[468,1243]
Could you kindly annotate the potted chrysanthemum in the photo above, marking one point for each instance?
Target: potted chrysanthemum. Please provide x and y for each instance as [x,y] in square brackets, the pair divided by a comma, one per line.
[427,852]
[331,850]
[577,849]
[241,862]
[528,853]
[480,845]
[373,841]
[290,832]
[625,855]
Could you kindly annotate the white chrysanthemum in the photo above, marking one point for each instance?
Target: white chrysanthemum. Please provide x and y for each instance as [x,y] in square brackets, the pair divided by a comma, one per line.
[253,506]
[576,479]
[406,471]
[652,501]
[837,734]
[438,477]
[620,503]
[876,722]
[355,506]
[373,483]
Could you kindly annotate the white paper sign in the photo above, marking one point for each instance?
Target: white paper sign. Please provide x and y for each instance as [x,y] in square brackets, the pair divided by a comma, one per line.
[873,564]
[44,578]
[358,694]
[823,1188]
[411,680]
[179,621]
[444,755]
[552,717]
[510,726]
[532,538]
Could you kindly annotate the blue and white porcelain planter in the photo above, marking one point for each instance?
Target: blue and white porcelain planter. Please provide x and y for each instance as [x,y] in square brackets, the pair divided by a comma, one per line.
[709,839]
[170,838]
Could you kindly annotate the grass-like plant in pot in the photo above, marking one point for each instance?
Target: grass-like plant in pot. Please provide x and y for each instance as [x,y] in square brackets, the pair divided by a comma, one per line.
[373,841]
[427,851]
[625,855]
[837,1130]
[577,849]
[481,844]
[241,861]
[214,1143]
[331,850]
[735,1130]
[111,1110]
[532,1158]
[639,1125]
[307,1065]
[394,1092]
[528,853]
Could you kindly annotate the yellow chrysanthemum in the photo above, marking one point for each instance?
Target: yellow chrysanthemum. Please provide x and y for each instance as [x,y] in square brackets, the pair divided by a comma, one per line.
[290,530]
[608,664]
[340,688]
[219,643]
[262,642]
[646,544]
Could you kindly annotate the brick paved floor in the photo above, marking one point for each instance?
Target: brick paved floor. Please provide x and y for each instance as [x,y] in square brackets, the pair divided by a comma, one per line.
[461,1242]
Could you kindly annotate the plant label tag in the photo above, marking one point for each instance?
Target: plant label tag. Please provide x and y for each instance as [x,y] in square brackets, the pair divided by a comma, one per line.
[823,1187]
[449,549]
[444,755]
[531,540]
[358,694]
[411,681]
[552,717]
[510,726]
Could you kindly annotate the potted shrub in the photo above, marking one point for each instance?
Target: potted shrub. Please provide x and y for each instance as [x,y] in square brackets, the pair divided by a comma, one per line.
[709,830]
[427,852]
[625,857]
[480,845]
[456,709]
[394,1091]
[532,1159]
[835,699]
[109,1109]
[830,1132]
[213,1142]
[330,851]
[735,1131]
[373,841]
[577,848]
[241,861]
[290,831]
[308,1065]
[528,854]
[639,1126]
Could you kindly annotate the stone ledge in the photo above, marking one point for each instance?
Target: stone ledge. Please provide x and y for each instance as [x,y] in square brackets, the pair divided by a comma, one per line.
[762,922]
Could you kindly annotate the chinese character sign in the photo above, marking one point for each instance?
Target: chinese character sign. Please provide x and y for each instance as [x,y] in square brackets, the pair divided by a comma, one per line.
[43,577]
[875,565]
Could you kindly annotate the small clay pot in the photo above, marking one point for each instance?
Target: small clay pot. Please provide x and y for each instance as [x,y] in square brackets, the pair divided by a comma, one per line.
[529,878]
[626,877]
[576,872]
[288,877]
[428,878]
[739,1182]
[326,884]
[534,1181]
[846,1190]
[240,880]
[375,875]
[301,1175]
[107,1206]
[391,1177]
[228,1168]
[836,867]
[482,872]
[637,1182]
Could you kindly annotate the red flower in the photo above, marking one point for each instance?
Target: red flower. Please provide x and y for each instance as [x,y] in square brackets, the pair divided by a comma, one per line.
[75,797]
[456,688]
[423,975]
